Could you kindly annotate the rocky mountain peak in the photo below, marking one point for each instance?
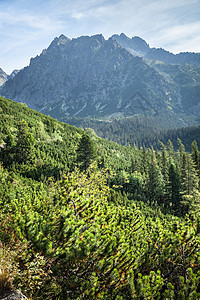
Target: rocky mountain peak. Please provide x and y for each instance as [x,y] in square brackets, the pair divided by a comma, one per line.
[58,43]
[140,44]
[63,39]
[135,45]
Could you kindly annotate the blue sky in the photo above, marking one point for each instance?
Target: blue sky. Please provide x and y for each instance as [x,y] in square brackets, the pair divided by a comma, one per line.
[28,26]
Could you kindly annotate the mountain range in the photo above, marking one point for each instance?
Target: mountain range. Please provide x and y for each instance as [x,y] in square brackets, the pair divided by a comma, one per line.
[118,77]
[138,47]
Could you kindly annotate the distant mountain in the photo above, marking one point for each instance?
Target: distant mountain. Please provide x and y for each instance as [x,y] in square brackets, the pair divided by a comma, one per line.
[94,77]
[3,77]
[135,45]
[138,47]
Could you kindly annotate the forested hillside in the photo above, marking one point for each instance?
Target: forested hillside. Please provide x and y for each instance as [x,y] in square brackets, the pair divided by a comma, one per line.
[85,218]
[140,130]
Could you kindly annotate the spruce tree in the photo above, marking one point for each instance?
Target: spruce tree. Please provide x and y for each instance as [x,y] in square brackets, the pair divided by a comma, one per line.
[164,163]
[25,143]
[174,186]
[155,182]
[85,152]
[7,152]
[189,174]
[181,149]
[189,185]
[144,161]
[170,149]
[195,155]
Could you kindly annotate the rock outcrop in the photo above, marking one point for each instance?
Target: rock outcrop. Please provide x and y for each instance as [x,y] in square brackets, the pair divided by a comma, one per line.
[13,295]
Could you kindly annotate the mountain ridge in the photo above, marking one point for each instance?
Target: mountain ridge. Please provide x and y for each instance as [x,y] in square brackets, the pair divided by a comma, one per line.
[95,77]
[155,53]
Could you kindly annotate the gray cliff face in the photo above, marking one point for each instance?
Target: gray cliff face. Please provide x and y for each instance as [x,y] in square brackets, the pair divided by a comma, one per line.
[91,76]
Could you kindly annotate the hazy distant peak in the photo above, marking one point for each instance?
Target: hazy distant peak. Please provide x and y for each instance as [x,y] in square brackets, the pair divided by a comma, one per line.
[123,35]
[3,77]
[136,46]
[140,40]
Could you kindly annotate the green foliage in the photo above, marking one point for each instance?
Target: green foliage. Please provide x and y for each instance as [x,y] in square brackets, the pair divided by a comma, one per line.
[174,186]
[85,152]
[142,129]
[25,144]
[123,227]
[155,182]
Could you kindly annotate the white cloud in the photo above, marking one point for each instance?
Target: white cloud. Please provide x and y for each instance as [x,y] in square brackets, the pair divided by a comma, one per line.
[182,38]
[29,26]
[182,31]
[78,15]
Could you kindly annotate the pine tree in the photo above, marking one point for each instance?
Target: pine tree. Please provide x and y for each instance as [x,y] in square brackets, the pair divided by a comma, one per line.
[25,143]
[189,185]
[7,152]
[155,182]
[181,149]
[189,176]
[174,186]
[85,152]
[170,149]
[195,155]
[144,161]
[164,163]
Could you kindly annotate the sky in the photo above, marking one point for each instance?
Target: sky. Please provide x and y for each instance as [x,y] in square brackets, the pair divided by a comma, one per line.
[29,26]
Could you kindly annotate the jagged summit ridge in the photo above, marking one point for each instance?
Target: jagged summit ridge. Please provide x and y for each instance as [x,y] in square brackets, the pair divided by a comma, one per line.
[135,45]
[138,47]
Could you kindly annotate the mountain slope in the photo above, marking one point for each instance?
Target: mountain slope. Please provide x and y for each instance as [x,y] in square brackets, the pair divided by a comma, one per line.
[97,234]
[54,144]
[94,77]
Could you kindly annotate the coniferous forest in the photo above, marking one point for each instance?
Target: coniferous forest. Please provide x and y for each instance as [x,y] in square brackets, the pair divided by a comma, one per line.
[82,217]
[139,130]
